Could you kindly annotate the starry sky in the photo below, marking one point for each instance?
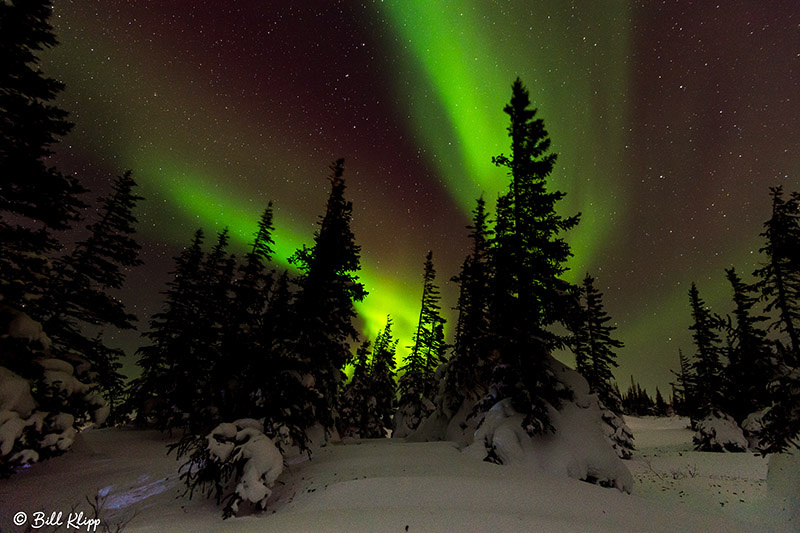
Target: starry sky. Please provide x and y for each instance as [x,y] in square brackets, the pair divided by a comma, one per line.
[670,120]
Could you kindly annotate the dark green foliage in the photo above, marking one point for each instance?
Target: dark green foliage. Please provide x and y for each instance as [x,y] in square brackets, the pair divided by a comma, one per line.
[368,400]
[750,359]
[85,277]
[34,198]
[165,390]
[779,283]
[684,401]
[594,347]
[469,369]
[323,310]
[529,256]
[779,278]
[707,366]
[636,401]
[417,385]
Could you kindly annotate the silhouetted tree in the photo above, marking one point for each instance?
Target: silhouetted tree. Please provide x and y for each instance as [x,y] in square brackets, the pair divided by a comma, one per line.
[35,199]
[594,347]
[707,365]
[469,369]
[529,257]
[324,304]
[168,385]
[750,369]
[780,288]
[417,384]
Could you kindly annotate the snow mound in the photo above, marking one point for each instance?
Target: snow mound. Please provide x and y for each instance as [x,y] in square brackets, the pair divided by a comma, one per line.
[23,327]
[719,432]
[577,448]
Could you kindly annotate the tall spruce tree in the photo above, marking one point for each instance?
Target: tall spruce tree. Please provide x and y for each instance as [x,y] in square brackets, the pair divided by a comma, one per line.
[35,199]
[167,387]
[707,365]
[417,385]
[529,257]
[780,288]
[595,348]
[750,368]
[84,278]
[469,369]
[779,278]
[324,309]
[685,401]
[243,342]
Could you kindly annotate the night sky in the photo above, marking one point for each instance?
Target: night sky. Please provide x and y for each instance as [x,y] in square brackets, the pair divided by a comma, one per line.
[671,120]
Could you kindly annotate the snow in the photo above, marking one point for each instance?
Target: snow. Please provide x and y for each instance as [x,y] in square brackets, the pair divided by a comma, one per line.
[720,432]
[24,327]
[388,484]
[15,393]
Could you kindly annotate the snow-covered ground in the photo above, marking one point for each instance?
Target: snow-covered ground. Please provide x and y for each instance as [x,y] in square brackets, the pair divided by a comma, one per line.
[389,485]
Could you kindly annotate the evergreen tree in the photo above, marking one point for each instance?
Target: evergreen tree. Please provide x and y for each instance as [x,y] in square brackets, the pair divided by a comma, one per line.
[750,367]
[34,199]
[685,401]
[167,387]
[382,382]
[417,384]
[469,369]
[594,347]
[243,342]
[780,277]
[84,278]
[529,257]
[324,306]
[355,408]
[707,365]
[661,408]
[780,288]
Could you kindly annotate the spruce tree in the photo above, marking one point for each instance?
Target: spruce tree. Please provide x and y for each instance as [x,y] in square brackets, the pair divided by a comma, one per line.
[84,278]
[243,341]
[750,367]
[707,365]
[35,199]
[324,305]
[167,388]
[685,401]
[354,415]
[529,258]
[469,369]
[594,347]
[382,382]
[779,284]
[417,385]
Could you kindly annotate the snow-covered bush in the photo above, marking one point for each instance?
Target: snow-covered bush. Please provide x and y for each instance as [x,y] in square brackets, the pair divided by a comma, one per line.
[752,426]
[618,433]
[44,400]
[577,448]
[236,462]
[719,432]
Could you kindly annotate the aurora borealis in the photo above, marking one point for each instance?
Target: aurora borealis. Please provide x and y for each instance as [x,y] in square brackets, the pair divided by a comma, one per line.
[671,120]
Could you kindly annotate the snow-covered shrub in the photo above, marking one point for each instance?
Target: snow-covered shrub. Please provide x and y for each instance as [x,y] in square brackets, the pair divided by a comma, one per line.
[618,433]
[576,448]
[719,432]
[236,462]
[752,426]
[44,400]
